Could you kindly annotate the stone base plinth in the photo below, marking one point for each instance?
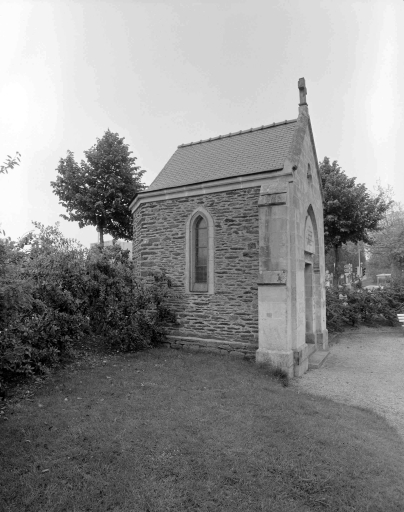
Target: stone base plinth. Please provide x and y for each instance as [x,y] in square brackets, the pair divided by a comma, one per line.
[322,340]
[294,362]
[301,359]
[276,358]
[222,347]
[311,337]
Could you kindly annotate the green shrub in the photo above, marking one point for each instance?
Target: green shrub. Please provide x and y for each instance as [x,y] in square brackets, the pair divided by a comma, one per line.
[335,312]
[281,375]
[39,303]
[129,312]
[15,291]
[360,305]
[54,293]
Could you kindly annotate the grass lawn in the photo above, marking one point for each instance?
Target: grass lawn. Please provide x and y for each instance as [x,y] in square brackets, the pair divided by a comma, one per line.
[167,430]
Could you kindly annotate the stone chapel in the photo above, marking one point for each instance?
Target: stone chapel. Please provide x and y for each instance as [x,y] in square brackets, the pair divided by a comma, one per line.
[236,222]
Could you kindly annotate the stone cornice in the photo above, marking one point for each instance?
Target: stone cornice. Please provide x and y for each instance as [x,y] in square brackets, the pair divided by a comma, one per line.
[209,187]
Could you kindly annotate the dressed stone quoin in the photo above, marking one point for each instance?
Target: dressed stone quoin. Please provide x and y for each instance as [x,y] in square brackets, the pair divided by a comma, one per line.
[236,221]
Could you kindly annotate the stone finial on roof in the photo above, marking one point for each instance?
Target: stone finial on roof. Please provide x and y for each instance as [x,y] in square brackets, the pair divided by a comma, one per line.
[303,91]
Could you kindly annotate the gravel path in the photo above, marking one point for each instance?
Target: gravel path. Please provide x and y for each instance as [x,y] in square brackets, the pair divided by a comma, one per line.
[365,368]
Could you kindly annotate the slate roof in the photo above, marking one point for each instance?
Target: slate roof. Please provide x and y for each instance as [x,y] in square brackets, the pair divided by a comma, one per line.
[236,154]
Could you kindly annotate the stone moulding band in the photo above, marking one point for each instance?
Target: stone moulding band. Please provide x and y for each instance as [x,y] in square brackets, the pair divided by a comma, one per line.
[272,277]
[222,185]
[272,199]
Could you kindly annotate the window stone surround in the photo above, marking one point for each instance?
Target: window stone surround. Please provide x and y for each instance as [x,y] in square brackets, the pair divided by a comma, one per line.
[189,226]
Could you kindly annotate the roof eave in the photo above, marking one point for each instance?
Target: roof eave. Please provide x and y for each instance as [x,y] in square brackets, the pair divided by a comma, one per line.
[236,182]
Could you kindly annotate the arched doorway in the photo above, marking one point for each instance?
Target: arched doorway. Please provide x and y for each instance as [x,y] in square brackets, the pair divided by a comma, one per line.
[312,293]
[308,301]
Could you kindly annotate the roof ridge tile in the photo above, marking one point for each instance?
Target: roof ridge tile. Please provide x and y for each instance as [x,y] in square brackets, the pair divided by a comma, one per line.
[241,132]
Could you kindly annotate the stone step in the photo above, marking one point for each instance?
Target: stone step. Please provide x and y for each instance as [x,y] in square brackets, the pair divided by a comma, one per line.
[317,359]
[311,348]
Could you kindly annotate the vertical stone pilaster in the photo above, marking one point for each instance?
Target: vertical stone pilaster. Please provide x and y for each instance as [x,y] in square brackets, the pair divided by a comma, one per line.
[274,337]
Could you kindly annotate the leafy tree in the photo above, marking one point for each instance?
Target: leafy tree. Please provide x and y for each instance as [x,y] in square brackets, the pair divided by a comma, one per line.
[347,254]
[98,191]
[387,251]
[351,212]
[10,163]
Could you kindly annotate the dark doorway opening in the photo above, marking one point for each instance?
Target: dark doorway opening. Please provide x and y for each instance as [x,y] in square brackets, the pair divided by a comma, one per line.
[308,294]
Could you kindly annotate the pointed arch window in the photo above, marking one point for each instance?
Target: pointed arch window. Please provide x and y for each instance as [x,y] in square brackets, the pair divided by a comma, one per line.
[201,254]
[199,264]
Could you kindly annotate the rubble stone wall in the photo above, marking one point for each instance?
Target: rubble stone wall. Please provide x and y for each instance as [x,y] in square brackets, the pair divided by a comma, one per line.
[231,313]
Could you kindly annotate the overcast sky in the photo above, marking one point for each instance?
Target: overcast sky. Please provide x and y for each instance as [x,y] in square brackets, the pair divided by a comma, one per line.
[167,73]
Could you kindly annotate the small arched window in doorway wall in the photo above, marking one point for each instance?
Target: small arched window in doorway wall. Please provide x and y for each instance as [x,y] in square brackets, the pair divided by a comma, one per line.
[200,255]
[309,175]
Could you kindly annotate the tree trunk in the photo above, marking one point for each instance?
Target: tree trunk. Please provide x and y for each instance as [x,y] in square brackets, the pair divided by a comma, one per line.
[396,270]
[336,262]
[101,232]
